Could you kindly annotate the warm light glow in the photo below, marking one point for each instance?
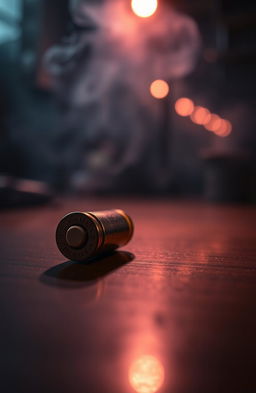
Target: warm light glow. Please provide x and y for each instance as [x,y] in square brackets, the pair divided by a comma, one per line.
[214,123]
[184,106]
[200,115]
[225,128]
[159,89]
[146,374]
[144,8]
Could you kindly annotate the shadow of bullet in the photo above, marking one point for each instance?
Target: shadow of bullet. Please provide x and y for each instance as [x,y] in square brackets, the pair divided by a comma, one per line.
[72,274]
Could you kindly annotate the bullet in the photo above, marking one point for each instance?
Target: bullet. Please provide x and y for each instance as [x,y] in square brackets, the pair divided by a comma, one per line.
[83,235]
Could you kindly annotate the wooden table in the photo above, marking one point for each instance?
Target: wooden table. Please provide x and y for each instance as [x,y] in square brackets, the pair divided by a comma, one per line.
[174,312]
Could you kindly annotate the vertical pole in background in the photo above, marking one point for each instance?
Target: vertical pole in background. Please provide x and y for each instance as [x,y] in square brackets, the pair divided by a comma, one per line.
[160,90]
[165,142]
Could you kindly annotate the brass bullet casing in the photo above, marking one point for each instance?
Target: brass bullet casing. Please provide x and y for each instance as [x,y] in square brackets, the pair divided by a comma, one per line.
[83,235]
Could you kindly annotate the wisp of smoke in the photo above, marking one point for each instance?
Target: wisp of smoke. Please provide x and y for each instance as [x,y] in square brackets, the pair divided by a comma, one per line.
[102,74]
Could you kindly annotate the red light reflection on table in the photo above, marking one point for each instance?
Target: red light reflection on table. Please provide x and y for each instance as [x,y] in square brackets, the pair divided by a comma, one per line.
[146,374]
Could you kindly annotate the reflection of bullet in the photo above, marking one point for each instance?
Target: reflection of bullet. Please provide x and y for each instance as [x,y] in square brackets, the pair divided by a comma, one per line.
[80,235]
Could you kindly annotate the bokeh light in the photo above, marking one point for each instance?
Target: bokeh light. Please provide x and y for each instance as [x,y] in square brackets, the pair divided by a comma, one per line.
[200,115]
[146,374]
[184,106]
[144,8]
[225,128]
[159,88]
[214,123]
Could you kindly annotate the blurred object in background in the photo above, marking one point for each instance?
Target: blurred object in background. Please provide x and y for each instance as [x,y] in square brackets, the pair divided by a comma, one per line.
[22,192]
[112,128]
[228,177]
[76,110]
[223,83]
[28,112]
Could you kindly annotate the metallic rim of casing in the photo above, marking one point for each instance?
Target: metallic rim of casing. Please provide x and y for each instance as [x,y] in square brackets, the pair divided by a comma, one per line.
[129,222]
[94,231]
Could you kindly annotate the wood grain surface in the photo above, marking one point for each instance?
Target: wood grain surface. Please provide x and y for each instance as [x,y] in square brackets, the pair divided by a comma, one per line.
[182,294]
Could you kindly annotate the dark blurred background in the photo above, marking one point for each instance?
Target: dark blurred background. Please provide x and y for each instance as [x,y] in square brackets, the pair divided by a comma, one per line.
[77,113]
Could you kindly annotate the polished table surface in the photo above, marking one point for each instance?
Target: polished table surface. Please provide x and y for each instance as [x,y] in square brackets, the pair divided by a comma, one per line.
[172,312]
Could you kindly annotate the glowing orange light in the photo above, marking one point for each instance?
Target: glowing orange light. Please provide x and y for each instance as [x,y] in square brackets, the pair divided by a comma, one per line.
[146,374]
[144,8]
[200,115]
[225,128]
[214,123]
[184,106]
[159,88]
